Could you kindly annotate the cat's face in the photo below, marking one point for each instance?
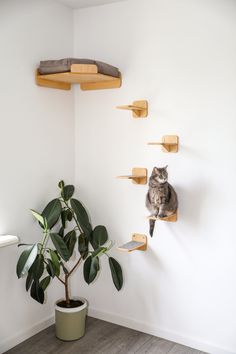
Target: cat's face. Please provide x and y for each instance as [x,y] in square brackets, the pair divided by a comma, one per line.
[159,175]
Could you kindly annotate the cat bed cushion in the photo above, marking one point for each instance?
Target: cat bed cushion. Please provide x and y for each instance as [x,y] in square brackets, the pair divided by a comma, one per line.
[63,65]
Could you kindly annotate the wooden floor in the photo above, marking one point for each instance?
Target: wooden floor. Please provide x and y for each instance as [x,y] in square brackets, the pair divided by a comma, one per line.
[101,338]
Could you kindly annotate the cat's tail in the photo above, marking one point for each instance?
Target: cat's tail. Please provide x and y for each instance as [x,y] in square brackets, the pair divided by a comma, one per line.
[151,226]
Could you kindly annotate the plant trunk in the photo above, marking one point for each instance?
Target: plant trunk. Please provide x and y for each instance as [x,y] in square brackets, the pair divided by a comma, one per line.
[67,291]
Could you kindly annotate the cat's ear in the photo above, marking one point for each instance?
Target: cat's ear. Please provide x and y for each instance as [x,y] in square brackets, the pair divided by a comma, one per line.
[155,170]
[165,167]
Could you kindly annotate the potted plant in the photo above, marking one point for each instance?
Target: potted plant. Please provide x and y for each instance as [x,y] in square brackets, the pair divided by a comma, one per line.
[66,226]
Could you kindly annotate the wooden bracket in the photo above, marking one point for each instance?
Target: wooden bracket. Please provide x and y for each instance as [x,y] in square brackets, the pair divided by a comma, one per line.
[171,218]
[139,108]
[84,68]
[139,175]
[138,243]
[170,143]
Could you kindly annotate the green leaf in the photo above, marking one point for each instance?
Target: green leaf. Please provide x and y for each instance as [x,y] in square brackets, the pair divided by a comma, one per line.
[69,215]
[37,292]
[60,246]
[116,273]
[68,235]
[83,245]
[99,251]
[40,218]
[50,268]
[65,215]
[91,267]
[64,218]
[26,260]
[45,282]
[67,192]
[99,236]
[37,267]
[29,281]
[70,240]
[87,230]
[61,184]
[61,232]
[52,212]
[55,262]
[82,216]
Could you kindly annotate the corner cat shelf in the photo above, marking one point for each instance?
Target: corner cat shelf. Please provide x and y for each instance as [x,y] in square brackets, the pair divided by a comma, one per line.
[84,74]
[139,176]
[138,108]
[7,240]
[170,143]
[171,218]
[138,243]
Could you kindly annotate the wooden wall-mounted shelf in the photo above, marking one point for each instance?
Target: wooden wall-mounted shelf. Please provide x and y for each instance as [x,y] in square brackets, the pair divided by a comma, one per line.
[138,243]
[138,108]
[84,74]
[171,218]
[139,176]
[170,143]
[7,240]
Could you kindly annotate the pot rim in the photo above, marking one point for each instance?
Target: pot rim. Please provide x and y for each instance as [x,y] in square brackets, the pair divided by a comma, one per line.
[73,309]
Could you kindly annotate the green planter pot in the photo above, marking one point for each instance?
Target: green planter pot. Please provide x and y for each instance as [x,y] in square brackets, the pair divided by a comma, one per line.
[70,322]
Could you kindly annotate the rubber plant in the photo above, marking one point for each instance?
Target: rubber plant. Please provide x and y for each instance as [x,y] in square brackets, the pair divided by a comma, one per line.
[66,226]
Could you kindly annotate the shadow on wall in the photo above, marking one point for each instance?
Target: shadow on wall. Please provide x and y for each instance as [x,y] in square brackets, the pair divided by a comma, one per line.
[191,203]
[154,260]
[151,261]
[192,153]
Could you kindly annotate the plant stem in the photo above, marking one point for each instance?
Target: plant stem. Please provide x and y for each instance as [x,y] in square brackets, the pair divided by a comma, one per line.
[65,270]
[45,237]
[67,275]
[60,279]
[75,266]
[67,291]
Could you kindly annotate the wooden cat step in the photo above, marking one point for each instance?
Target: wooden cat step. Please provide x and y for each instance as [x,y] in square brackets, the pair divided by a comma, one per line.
[169,143]
[171,218]
[138,108]
[138,243]
[138,176]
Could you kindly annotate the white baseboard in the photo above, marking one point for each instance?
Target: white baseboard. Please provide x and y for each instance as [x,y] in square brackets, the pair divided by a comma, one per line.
[159,332]
[25,334]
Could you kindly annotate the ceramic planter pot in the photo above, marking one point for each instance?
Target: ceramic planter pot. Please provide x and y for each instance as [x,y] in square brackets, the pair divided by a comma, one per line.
[70,322]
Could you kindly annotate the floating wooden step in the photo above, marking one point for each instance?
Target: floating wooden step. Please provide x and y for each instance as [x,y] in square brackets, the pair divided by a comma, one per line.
[139,175]
[84,74]
[171,218]
[169,143]
[139,108]
[138,243]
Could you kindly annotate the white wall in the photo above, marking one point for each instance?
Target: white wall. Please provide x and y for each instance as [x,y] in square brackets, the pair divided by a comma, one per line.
[180,56]
[36,147]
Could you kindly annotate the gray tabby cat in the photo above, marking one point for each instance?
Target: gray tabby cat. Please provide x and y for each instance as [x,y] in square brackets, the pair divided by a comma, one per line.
[161,199]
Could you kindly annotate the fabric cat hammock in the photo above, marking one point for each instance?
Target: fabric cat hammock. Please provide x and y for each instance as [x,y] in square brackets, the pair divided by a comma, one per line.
[90,74]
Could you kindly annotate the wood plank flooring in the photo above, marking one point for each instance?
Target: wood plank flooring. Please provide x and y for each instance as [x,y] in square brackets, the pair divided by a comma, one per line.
[101,338]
